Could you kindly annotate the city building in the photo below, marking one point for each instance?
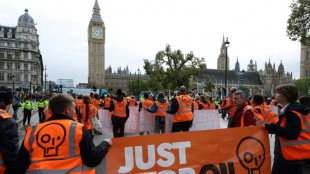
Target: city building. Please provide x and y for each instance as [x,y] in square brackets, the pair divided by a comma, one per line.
[304,61]
[66,83]
[21,64]
[221,60]
[96,49]
[120,79]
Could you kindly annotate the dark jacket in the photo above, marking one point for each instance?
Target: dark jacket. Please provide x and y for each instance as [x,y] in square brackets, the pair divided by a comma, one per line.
[154,108]
[248,117]
[9,143]
[90,154]
[291,130]
[115,119]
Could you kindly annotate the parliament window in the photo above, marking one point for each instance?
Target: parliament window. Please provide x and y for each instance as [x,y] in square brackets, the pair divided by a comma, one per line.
[8,65]
[1,77]
[1,54]
[17,55]
[10,76]
[25,66]
[17,77]
[1,65]
[10,55]
[17,66]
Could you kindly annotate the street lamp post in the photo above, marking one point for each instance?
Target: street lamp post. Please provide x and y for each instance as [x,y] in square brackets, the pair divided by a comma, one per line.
[13,78]
[226,46]
[138,80]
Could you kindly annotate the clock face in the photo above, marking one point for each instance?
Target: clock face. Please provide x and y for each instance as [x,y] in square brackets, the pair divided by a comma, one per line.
[97,32]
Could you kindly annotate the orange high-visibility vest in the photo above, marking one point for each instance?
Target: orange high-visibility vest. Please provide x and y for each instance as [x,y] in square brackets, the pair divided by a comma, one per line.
[96,103]
[161,108]
[232,111]
[227,103]
[298,149]
[3,115]
[204,106]
[223,102]
[47,113]
[147,103]
[268,114]
[211,106]
[54,147]
[92,112]
[273,102]
[257,116]
[120,108]
[107,102]
[132,102]
[184,112]
[195,105]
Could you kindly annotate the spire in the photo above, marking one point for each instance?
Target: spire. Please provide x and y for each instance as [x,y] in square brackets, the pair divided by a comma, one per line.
[223,39]
[237,60]
[96,6]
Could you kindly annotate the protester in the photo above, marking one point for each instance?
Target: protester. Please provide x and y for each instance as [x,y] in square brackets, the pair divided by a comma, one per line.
[97,102]
[288,155]
[211,103]
[87,111]
[147,103]
[8,134]
[132,102]
[182,110]
[159,108]
[120,114]
[229,104]
[244,115]
[70,148]
[203,104]
[16,105]
[107,102]
[27,107]
[40,106]
[268,115]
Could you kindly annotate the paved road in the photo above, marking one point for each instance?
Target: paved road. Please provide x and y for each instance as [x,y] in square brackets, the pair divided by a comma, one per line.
[101,168]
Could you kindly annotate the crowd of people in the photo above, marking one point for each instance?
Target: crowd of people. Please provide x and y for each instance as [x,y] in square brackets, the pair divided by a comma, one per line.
[63,141]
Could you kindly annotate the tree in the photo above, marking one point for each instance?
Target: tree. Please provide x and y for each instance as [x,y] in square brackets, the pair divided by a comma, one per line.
[136,86]
[303,85]
[173,68]
[299,22]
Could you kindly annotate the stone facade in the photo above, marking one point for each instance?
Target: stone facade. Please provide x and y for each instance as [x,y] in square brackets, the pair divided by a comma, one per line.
[304,61]
[120,79]
[21,62]
[96,49]
[221,60]
[271,77]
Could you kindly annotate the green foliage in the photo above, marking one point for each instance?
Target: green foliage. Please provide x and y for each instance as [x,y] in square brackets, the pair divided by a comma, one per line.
[209,87]
[303,85]
[298,23]
[172,68]
[135,86]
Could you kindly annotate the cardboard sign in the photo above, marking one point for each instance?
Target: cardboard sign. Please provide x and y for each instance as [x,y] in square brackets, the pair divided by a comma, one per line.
[220,151]
[274,108]
[133,121]
[205,120]
[105,120]
[146,121]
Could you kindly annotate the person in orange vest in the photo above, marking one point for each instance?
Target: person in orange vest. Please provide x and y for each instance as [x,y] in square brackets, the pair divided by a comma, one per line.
[229,104]
[244,115]
[132,102]
[203,105]
[147,103]
[120,109]
[107,101]
[97,102]
[78,103]
[273,102]
[292,145]
[159,108]
[269,115]
[87,111]
[60,145]
[8,133]
[182,110]
[211,103]
[196,103]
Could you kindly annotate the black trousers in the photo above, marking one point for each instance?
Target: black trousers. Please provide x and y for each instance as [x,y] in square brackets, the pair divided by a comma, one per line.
[118,130]
[287,169]
[181,126]
[27,114]
[41,115]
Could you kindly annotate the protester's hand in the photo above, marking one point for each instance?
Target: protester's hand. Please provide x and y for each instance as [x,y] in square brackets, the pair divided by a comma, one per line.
[108,141]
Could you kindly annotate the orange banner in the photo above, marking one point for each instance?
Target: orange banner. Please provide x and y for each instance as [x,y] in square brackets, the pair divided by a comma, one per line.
[221,151]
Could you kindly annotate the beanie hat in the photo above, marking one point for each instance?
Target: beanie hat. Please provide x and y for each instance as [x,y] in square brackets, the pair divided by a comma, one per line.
[119,92]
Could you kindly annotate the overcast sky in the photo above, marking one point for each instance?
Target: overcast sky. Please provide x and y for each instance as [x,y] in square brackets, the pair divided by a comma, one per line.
[138,29]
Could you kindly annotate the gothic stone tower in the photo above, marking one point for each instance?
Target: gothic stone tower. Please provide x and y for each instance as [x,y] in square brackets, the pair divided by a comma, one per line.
[305,61]
[221,60]
[96,52]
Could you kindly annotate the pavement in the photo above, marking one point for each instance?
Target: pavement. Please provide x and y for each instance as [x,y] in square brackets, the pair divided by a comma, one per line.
[101,168]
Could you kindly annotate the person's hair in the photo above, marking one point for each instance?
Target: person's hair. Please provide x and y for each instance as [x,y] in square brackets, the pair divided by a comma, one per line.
[202,98]
[6,97]
[241,93]
[183,90]
[289,91]
[96,96]
[161,95]
[210,99]
[80,97]
[305,100]
[87,102]
[91,94]
[257,99]
[233,90]
[124,94]
[59,102]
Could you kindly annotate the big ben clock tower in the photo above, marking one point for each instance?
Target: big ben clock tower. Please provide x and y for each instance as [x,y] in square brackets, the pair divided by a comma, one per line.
[96,53]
